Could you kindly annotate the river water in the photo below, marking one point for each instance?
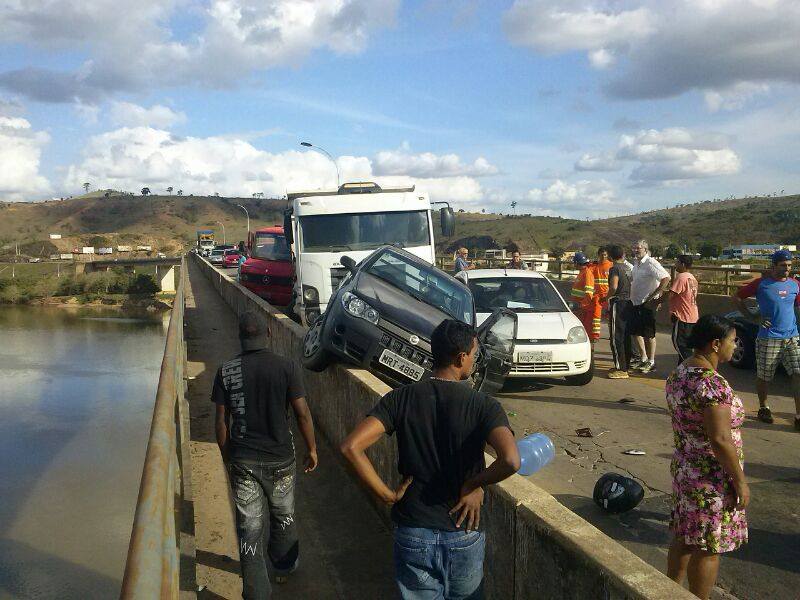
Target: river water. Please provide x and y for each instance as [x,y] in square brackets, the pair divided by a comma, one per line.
[76,394]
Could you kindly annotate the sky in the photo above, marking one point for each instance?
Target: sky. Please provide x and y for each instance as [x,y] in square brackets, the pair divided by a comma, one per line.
[575,108]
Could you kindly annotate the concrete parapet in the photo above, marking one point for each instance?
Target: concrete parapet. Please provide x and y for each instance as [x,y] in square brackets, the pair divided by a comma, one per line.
[536,547]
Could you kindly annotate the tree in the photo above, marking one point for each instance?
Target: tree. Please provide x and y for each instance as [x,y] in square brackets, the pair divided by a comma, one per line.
[514,206]
[86,186]
[672,251]
[169,190]
[145,191]
[180,192]
[656,251]
[557,251]
[709,250]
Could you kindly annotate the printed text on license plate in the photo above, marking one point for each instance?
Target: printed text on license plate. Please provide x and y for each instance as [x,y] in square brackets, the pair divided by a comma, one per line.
[401,365]
[535,357]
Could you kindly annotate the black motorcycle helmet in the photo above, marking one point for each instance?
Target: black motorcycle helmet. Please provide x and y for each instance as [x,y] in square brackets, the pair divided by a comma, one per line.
[616,493]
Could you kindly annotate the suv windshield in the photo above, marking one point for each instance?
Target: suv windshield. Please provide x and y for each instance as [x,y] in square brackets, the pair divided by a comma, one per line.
[364,231]
[528,294]
[425,283]
[271,247]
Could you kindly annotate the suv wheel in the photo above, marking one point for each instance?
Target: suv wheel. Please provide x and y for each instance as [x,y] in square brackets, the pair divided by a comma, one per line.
[744,355]
[315,357]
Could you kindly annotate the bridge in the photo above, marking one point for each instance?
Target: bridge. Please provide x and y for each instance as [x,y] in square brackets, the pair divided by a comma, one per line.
[165,268]
[546,539]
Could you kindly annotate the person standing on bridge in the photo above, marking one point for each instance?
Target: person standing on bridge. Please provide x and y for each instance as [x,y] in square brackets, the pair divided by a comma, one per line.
[462,264]
[619,312]
[582,293]
[709,489]
[253,393]
[777,342]
[517,262]
[442,429]
[683,306]
[649,281]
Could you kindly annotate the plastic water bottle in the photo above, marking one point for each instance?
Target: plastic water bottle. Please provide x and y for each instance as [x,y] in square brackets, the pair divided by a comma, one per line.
[535,451]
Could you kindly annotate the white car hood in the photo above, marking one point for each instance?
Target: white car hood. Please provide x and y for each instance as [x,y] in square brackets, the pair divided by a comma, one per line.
[541,326]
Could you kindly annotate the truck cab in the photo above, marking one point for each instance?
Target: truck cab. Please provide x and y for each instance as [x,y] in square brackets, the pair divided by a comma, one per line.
[205,241]
[268,271]
[354,220]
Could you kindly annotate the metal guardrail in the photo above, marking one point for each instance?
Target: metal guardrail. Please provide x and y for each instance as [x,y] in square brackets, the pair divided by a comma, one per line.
[154,558]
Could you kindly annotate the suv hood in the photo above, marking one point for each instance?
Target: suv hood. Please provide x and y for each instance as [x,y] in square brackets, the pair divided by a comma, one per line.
[397,306]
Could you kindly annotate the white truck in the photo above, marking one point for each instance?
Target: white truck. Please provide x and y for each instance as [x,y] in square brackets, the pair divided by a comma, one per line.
[359,217]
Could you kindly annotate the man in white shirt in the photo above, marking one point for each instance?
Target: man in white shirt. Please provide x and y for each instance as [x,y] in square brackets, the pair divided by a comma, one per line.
[649,281]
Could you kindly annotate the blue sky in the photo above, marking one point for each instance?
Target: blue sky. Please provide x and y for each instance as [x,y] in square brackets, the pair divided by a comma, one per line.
[577,108]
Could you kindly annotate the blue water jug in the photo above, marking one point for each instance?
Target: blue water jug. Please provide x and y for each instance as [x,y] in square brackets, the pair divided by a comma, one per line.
[535,451]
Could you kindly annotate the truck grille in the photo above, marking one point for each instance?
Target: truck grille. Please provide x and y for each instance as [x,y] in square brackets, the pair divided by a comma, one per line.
[337,275]
[264,279]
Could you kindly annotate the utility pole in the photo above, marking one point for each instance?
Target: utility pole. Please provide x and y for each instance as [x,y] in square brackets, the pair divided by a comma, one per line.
[328,154]
[223,230]
[248,217]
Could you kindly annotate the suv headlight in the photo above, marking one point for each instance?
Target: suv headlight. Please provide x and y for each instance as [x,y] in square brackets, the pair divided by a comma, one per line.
[577,335]
[310,295]
[358,308]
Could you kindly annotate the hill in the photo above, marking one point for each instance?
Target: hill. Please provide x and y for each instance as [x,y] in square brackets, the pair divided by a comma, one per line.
[168,223]
[726,222]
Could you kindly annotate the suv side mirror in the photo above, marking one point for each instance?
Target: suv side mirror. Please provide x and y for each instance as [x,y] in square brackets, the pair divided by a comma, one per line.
[348,263]
[287,228]
[448,221]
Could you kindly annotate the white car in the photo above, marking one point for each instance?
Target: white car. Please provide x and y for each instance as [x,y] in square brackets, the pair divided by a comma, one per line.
[550,340]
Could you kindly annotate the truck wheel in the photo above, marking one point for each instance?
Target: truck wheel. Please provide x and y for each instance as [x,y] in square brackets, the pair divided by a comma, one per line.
[744,355]
[583,378]
[315,357]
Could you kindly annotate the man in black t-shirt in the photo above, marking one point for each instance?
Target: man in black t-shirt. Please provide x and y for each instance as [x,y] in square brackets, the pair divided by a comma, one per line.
[442,428]
[620,309]
[253,393]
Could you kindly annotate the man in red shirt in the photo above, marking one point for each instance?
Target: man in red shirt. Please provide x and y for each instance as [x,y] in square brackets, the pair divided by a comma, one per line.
[683,306]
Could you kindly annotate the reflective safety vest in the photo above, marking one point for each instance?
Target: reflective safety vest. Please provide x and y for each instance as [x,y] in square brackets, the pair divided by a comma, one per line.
[600,272]
[583,288]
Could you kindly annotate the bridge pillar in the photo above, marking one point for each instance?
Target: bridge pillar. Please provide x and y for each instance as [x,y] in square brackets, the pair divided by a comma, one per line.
[80,267]
[166,278]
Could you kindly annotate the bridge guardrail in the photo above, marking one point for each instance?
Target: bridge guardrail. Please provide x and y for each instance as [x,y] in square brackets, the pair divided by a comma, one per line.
[153,566]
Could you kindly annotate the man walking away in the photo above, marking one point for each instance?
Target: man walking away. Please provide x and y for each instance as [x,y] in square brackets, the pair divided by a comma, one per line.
[442,428]
[649,281]
[583,291]
[777,295]
[517,262]
[683,306]
[253,393]
[619,312]
[462,264]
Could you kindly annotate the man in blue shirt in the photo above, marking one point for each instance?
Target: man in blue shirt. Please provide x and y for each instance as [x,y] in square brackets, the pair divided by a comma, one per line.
[462,264]
[777,295]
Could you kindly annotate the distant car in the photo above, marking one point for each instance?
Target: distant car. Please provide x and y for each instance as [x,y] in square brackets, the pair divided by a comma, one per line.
[551,341]
[217,256]
[383,314]
[231,258]
[269,270]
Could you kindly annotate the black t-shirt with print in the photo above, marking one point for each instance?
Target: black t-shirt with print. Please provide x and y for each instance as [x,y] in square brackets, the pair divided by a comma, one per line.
[257,387]
[441,429]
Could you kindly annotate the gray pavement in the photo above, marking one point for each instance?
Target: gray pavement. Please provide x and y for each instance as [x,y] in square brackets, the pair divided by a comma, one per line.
[768,567]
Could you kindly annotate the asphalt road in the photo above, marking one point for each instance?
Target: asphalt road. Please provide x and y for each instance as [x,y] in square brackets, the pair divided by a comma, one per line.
[768,566]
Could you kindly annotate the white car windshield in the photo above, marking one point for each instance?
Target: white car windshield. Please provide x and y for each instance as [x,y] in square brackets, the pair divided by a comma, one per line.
[529,294]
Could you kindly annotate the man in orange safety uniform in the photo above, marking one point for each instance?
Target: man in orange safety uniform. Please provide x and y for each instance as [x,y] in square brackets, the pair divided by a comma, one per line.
[583,292]
[600,299]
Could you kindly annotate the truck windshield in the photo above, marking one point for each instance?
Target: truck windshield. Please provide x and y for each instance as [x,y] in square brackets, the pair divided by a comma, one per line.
[364,231]
[524,294]
[426,284]
[271,247]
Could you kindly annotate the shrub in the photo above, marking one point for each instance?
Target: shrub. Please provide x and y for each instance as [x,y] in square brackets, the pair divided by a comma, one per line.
[142,284]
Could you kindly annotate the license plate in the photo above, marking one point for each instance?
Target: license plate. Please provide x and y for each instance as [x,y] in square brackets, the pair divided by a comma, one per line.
[401,365]
[535,357]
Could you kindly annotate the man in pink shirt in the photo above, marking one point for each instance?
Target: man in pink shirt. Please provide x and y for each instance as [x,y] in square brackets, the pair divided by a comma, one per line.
[683,306]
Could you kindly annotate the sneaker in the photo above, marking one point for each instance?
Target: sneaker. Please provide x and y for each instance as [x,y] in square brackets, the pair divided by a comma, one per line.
[765,415]
[635,364]
[617,374]
[646,367]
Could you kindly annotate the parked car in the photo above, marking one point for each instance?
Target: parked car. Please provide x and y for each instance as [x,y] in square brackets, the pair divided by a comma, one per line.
[230,258]
[269,270]
[383,314]
[550,341]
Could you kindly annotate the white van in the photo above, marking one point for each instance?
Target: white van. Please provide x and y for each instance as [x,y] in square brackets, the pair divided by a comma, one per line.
[322,226]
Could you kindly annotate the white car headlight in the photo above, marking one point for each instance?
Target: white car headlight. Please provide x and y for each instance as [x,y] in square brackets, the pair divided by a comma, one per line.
[358,308]
[577,335]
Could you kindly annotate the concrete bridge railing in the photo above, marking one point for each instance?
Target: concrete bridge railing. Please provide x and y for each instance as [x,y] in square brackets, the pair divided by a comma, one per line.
[536,547]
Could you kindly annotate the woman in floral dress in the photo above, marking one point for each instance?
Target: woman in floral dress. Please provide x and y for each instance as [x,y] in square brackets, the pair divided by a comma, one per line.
[709,491]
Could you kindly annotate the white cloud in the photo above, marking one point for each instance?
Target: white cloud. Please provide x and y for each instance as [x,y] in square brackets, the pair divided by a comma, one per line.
[584,197]
[727,49]
[20,149]
[677,154]
[427,164]
[605,161]
[236,38]
[131,157]
[133,115]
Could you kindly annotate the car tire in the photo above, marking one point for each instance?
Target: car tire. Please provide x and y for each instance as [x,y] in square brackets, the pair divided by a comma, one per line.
[315,357]
[744,356]
[583,378]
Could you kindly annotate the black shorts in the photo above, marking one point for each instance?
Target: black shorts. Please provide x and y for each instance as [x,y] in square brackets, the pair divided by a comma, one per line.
[643,322]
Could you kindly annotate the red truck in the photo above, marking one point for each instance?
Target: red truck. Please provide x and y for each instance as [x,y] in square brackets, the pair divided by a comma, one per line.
[268,270]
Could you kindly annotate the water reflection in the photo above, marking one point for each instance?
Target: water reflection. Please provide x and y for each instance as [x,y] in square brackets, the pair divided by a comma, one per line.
[76,395]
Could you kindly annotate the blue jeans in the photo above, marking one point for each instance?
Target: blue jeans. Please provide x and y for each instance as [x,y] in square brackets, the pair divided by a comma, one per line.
[260,490]
[434,565]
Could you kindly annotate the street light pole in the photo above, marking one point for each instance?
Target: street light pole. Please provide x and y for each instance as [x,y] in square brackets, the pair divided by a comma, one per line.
[248,217]
[223,231]
[328,154]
